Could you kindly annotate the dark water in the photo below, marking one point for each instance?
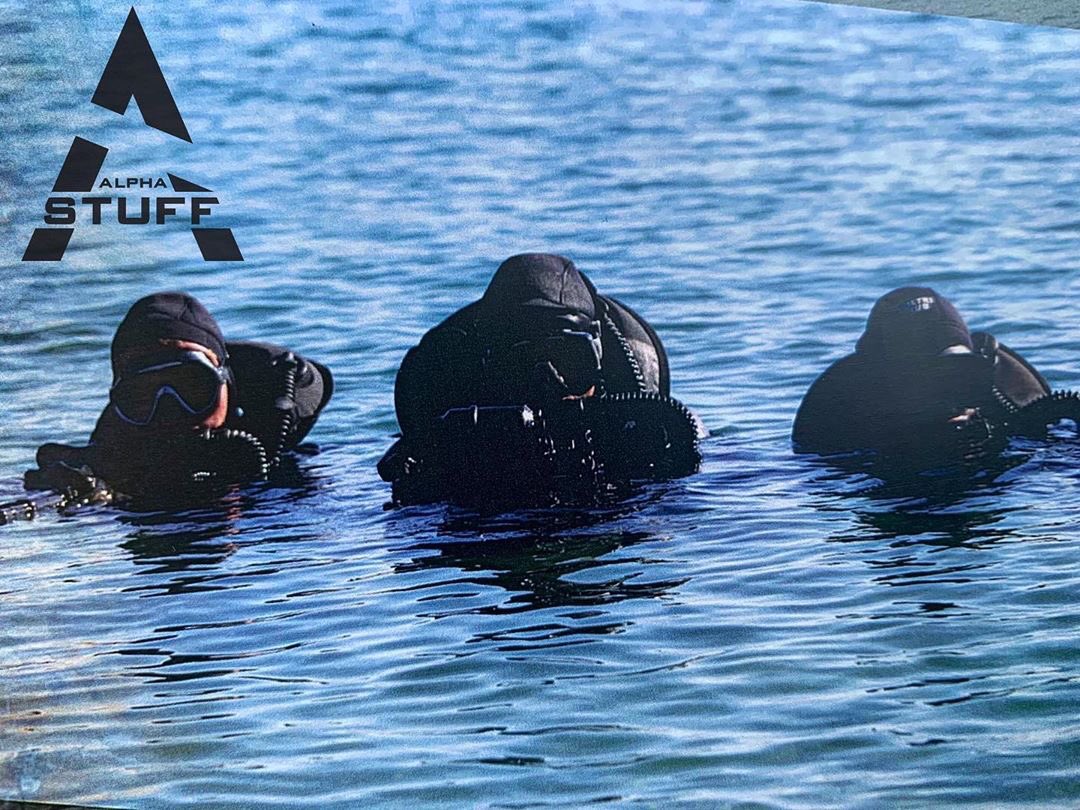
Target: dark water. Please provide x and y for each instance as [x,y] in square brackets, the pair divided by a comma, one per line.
[750,176]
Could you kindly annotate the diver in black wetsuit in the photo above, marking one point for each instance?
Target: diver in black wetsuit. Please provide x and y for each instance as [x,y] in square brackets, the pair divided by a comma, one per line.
[918,381]
[188,407]
[540,356]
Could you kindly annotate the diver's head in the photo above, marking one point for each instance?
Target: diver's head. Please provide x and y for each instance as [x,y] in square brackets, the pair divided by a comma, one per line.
[538,318]
[913,323]
[170,366]
[923,369]
[541,280]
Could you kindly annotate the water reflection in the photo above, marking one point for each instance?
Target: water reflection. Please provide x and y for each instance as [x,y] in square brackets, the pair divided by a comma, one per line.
[465,524]
[178,540]
[906,519]
[900,514]
[560,587]
[544,572]
[973,528]
[168,542]
[913,481]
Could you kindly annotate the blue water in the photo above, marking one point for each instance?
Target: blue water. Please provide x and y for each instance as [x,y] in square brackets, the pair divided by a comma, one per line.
[750,176]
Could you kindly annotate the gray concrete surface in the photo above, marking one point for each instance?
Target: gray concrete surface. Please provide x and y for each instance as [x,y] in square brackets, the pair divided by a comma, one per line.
[1062,13]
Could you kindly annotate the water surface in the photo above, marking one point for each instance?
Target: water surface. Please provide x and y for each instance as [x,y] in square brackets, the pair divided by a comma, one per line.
[749,176]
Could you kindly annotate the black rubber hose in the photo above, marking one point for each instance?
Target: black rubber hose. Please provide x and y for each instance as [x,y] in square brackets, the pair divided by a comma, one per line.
[628,352]
[239,457]
[286,407]
[1033,419]
[651,436]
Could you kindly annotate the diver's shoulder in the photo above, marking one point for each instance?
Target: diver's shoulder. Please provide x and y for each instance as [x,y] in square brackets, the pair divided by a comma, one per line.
[840,376]
[827,405]
[1014,375]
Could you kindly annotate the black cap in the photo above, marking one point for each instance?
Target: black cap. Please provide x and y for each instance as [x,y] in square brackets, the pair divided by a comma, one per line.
[166,316]
[912,322]
[541,281]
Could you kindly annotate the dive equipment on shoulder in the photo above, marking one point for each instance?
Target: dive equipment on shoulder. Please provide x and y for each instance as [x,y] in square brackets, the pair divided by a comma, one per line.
[1033,419]
[183,465]
[574,451]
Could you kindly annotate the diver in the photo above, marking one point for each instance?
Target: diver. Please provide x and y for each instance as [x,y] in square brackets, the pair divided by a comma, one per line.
[188,408]
[543,390]
[919,382]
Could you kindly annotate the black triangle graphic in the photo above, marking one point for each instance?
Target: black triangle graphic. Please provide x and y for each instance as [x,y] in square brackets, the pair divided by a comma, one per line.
[180,184]
[133,72]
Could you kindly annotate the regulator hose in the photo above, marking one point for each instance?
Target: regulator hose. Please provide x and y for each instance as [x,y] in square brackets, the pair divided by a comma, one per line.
[628,352]
[1033,419]
[228,456]
[285,405]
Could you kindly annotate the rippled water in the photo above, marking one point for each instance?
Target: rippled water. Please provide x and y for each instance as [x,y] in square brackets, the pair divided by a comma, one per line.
[750,176]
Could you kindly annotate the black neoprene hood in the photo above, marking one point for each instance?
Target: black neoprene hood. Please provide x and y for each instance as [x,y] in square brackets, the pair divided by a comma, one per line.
[166,316]
[540,280]
[912,322]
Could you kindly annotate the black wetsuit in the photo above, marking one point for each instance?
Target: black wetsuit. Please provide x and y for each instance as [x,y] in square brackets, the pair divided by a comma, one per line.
[475,358]
[138,461]
[915,367]
[258,371]
[446,369]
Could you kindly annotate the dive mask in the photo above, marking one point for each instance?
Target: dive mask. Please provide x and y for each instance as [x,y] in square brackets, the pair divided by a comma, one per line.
[564,358]
[186,380]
